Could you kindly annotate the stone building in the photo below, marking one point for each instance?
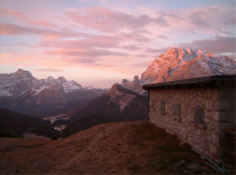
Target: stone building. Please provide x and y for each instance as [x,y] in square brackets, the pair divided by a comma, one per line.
[196,110]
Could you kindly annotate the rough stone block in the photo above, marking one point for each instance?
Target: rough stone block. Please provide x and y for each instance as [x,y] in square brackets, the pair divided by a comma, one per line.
[233,105]
[208,114]
[216,115]
[215,95]
[209,104]
[222,105]
[232,117]
[208,93]
[223,117]
[207,120]
[209,138]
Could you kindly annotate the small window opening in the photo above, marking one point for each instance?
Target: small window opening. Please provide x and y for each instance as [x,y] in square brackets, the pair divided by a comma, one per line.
[162,106]
[153,104]
[176,109]
[199,113]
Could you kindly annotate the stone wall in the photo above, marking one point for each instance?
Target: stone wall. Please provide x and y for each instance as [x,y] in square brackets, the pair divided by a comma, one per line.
[218,112]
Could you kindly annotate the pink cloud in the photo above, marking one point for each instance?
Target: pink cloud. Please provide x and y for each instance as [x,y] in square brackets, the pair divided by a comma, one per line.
[91,41]
[162,36]
[216,45]
[131,47]
[160,50]
[48,70]
[22,18]
[108,21]
[12,13]
[13,29]
[83,55]
[198,19]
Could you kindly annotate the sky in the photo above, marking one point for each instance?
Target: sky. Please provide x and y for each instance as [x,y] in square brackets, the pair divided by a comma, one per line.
[101,42]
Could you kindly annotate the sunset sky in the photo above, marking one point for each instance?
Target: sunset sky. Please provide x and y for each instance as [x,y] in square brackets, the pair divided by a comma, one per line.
[100,42]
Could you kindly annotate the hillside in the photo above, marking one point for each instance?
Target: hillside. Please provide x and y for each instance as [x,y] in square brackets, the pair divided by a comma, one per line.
[87,122]
[118,102]
[13,124]
[127,148]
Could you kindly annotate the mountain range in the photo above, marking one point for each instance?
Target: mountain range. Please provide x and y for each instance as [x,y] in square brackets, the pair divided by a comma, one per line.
[21,92]
[125,101]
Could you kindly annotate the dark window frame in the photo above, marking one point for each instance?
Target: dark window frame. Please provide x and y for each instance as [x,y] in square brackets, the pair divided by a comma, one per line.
[153,104]
[162,109]
[177,109]
[199,114]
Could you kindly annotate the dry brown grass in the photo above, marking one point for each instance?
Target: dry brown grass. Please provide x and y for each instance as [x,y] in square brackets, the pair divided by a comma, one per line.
[124,148]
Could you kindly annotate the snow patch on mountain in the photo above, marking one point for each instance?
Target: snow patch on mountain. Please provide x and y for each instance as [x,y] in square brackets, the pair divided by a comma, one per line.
[16,84]
[5,93]
[37,91]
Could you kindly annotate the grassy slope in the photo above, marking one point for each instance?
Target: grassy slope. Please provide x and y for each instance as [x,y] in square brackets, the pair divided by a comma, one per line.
[87,122]
[126,147]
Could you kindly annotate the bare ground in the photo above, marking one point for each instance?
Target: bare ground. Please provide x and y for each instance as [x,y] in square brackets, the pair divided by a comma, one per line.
[124,148]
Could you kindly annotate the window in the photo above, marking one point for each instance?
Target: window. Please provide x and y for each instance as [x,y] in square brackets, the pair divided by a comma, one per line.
[162,107]
[199,114]
[153,104]
[176,109]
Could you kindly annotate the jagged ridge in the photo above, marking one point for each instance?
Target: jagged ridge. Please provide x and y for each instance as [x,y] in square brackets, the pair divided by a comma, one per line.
[21,92]
[180,63]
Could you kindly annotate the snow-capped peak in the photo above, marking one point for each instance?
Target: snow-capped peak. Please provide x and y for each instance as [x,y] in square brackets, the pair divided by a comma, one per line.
[20,82]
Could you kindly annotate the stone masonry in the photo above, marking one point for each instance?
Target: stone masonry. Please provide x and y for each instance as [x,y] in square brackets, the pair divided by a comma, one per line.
[175,108]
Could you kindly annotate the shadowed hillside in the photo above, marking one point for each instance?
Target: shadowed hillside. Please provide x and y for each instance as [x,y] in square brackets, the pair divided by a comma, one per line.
[13,124]
[119,102]
[87,122]
[126,148]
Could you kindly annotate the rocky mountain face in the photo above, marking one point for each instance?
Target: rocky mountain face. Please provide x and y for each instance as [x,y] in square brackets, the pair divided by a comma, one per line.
[119,102]
[135,85]
[180,63]
[23,93]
